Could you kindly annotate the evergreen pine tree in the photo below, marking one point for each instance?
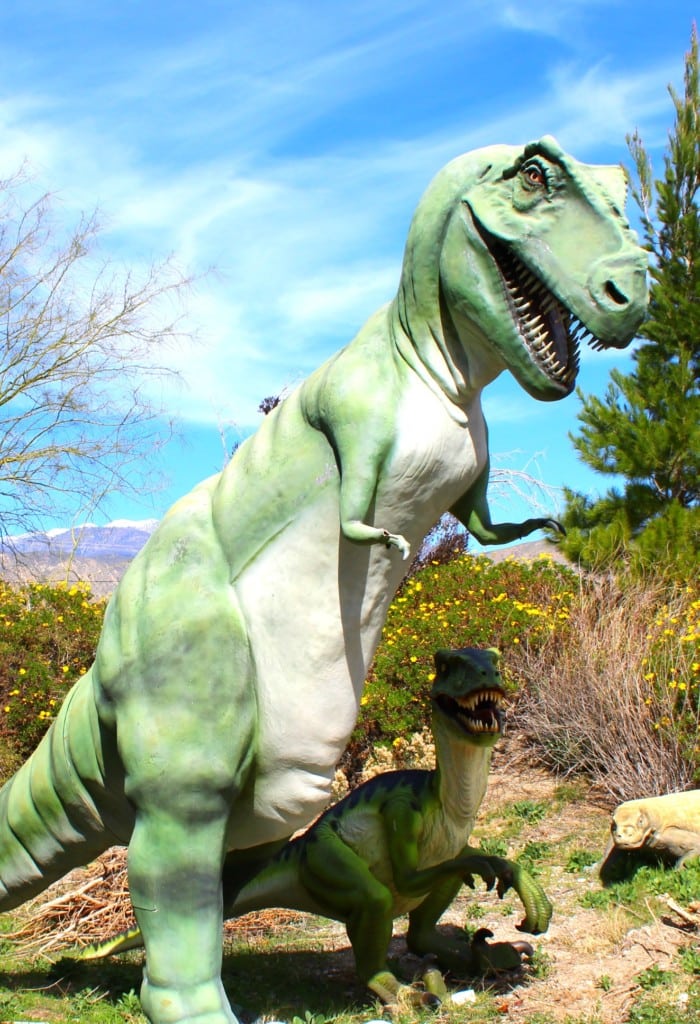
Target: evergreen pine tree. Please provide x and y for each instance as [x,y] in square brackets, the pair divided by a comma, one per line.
[646,428]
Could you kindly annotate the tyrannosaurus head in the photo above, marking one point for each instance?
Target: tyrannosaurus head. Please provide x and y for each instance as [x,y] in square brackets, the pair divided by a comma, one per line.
[468,693]
[516,256]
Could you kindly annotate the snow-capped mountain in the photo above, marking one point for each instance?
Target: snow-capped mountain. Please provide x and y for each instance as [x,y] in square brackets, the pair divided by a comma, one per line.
[120,539]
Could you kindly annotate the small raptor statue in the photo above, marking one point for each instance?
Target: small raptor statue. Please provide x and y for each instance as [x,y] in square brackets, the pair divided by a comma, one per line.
[400,844]
[234,651]
[652,829]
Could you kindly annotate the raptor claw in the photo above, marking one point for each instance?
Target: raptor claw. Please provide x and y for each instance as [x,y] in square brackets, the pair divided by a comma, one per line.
[504,884]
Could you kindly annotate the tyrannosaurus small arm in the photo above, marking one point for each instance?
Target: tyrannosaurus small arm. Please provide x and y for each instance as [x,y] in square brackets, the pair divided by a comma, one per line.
[399,844]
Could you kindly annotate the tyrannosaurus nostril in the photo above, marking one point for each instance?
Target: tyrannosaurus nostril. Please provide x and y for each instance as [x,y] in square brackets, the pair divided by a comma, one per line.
[615,294]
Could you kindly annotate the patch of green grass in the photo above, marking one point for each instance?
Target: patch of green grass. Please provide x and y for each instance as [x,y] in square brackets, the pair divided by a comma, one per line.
[534,854]
[571,791]
[682,885]
[579,859]
[41,991]
[495,846]
[528,811]
[689,959]
[657,1008]
[598,899]
[542,964]
[653,976]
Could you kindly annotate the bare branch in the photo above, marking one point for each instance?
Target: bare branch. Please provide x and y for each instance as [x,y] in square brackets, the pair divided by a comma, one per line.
[81,350]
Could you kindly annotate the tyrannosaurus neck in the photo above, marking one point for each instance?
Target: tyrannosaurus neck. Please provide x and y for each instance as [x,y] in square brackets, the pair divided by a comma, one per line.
[441,359]
[461,776]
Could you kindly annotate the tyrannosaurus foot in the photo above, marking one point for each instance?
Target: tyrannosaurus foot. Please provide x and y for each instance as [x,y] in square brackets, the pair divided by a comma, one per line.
[198,1004]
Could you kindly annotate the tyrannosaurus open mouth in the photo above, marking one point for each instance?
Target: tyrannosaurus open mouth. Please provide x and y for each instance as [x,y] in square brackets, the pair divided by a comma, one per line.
[479,712]
[551,333]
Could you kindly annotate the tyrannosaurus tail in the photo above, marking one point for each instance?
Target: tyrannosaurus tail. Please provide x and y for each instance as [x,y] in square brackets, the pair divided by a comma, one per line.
[55,813]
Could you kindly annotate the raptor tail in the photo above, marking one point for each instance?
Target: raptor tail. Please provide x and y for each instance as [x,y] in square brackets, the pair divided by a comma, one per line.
[55,813]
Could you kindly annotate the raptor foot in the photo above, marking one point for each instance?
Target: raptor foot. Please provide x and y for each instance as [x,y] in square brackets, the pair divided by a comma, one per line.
[494,957]
[398,996]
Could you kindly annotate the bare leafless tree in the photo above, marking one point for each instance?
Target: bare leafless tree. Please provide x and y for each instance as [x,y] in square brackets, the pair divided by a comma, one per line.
[81,352]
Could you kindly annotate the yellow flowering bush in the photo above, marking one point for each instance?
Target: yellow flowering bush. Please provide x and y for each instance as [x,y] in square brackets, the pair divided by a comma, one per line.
[48,636]
[470,601]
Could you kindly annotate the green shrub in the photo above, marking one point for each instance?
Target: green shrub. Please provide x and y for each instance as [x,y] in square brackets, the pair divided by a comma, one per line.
[48,637]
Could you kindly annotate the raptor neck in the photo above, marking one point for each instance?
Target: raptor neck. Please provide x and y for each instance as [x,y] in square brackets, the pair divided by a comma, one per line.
[461,775]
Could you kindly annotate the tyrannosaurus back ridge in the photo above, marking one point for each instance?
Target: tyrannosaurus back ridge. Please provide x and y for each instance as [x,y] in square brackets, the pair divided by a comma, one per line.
[234,651]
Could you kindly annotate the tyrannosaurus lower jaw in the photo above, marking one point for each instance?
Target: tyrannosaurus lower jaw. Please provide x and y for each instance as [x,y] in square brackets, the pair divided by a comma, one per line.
[550,332]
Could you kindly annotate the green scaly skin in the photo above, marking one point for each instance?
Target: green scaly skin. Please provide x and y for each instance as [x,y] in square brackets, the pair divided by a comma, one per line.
[230,668]
[399,844]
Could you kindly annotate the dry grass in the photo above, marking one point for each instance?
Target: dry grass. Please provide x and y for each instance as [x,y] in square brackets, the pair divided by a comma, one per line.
[592,705]
[90,905]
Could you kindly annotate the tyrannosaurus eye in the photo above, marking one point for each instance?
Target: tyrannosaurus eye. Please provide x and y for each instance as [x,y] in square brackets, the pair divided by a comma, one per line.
[534,174]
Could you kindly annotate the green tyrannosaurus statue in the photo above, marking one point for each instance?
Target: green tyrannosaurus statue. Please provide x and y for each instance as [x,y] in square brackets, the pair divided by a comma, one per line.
[234,651]
[399,844]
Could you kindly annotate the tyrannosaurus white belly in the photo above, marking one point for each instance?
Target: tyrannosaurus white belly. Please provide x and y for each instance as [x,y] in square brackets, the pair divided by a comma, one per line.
[308,694]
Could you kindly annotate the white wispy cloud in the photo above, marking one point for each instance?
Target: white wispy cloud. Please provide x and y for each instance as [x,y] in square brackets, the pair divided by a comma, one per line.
[229,149]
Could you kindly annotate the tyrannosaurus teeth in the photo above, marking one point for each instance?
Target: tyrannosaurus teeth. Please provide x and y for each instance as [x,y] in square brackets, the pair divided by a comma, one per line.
[551,333]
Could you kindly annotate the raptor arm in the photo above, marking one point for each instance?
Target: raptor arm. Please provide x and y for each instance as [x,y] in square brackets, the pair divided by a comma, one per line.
[472,510]
[403,825]
[538,909]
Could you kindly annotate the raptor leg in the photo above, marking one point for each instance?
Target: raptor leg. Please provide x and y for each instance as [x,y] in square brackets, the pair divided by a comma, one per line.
[453,954]
[346,890]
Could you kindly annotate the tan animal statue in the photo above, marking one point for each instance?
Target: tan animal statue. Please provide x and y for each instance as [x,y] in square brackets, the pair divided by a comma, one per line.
[665,828]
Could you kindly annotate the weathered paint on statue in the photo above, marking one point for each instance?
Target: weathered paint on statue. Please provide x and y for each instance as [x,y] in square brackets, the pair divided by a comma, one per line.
[233,655]
[399,844]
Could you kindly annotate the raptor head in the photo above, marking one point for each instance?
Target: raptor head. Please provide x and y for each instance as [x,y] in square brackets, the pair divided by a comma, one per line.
[533,256]
[468,694]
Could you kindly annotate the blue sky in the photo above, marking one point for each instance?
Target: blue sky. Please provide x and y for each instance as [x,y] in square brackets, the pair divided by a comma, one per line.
[279,149]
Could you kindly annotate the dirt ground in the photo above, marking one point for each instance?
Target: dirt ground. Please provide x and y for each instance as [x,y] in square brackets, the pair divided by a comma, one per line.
[580,949]
[593,957]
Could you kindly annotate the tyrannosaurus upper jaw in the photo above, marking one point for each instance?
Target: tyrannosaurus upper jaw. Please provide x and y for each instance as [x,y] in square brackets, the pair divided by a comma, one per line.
[479,713]
[551,333]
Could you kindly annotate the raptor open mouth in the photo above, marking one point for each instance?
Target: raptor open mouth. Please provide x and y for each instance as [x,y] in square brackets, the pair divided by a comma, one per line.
[551,333]
[480,712]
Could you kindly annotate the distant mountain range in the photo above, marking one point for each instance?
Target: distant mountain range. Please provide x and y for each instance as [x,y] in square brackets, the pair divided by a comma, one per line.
[96,554]
[118,540]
